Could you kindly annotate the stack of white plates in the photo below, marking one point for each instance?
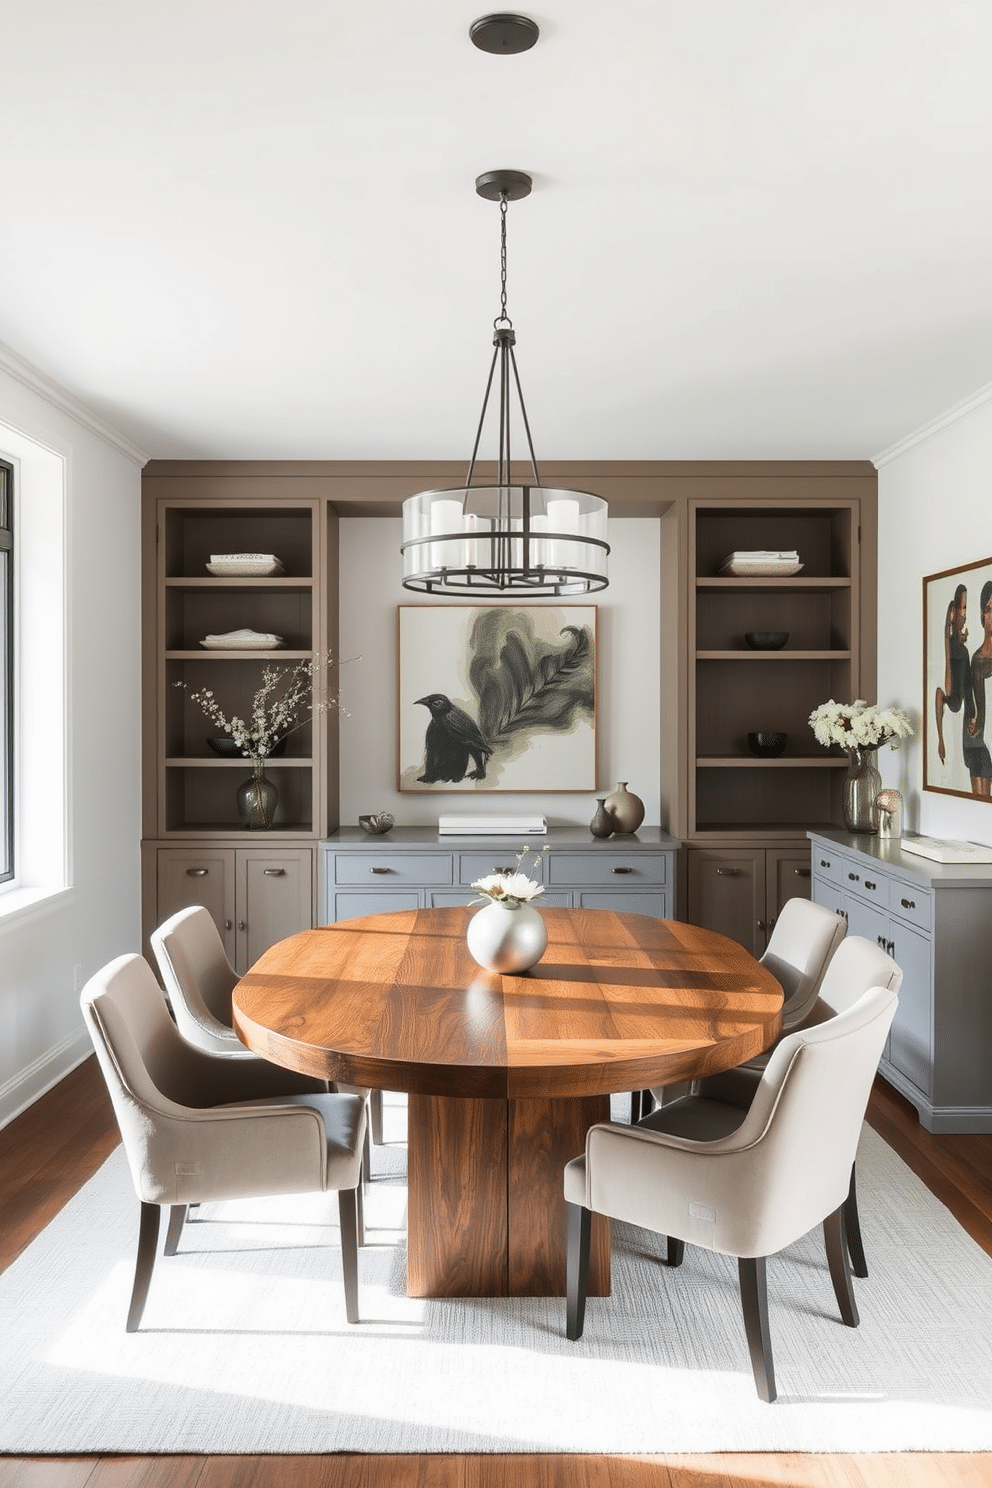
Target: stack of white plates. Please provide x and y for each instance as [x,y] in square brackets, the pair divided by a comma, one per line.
[242,640]
[244,565]
[760,563]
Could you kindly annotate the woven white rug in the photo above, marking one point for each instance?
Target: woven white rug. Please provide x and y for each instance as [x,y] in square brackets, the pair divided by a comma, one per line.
[244,1346]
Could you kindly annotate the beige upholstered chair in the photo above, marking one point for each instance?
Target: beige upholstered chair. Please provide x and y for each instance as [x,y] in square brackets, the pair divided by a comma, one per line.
[856,965]
[198,1128]
[199,979]
[749,1193]
[798,953]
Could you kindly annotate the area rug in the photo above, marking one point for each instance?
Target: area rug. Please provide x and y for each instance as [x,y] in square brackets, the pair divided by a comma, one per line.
[244,1347]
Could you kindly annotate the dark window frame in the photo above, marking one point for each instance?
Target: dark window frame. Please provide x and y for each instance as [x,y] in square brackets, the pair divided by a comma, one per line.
[7,664]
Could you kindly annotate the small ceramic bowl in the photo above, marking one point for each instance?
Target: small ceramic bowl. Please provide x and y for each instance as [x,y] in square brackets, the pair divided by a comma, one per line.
[376,824]
[766,745]
[766,640]
[227,749]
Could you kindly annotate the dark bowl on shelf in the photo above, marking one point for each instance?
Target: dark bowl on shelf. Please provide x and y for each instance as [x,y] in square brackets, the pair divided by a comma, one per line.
[766,746]
[766,640]
[228,749]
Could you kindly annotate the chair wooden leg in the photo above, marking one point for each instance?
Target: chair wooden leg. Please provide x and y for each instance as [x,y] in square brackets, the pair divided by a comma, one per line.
[754,1299]
[147,1244]
[676,1252]
[366,1159]
[375,1112]
[348,1201]
[840,1272]
[360,1214]
[577,1268]
[177,1218]
[852,1228]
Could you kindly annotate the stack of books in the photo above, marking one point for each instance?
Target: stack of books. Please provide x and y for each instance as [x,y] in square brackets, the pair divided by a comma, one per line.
[760,562]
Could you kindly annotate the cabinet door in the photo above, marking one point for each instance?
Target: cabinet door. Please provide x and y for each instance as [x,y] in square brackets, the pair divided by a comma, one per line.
[787,876]
[274,899]
[910,1048]
[727,894]
[199,876]
[867,920]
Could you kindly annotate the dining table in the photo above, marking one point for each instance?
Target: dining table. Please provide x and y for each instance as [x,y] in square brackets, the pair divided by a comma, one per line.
[504,1074]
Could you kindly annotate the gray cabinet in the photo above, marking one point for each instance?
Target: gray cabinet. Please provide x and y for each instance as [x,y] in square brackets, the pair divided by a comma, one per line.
[936,921]
[415,868]
[740,891]
[255,895]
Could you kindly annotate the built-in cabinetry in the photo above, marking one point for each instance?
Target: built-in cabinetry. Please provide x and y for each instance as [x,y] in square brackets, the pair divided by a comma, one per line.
[258,885]
[416,868]
[936,922]
[744,818]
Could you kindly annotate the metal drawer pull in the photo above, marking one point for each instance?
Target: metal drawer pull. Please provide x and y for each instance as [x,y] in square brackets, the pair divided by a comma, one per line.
[623,870]
[727,872]
[227,924]
[854,877]
[803,872]
[380,870]
[273,872]
[908,903]
[870,885]
[890,946]
[242,925]
[196,872]
[824,862]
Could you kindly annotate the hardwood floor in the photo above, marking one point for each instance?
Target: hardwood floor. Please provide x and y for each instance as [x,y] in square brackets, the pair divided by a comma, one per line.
[55,1146]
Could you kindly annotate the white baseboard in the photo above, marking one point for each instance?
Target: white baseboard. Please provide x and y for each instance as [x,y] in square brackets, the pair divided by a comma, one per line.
[28,1085]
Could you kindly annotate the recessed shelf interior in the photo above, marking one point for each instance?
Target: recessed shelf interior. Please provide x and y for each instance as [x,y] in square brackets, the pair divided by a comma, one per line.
[198,799]
[821,537]
[728,799]
[192,534]
[192,614]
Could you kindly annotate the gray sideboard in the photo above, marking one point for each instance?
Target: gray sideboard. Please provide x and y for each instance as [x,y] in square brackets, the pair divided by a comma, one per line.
[416,868]
[936,921]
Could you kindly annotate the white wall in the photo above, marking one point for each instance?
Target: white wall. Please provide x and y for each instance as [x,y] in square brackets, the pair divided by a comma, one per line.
[934,514]
[98,915]
[629,716]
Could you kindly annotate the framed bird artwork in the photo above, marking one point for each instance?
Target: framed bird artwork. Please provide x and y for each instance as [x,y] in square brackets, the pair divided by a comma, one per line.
[497,698]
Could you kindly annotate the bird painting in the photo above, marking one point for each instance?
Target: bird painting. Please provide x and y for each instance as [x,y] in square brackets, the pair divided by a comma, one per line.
[453,738]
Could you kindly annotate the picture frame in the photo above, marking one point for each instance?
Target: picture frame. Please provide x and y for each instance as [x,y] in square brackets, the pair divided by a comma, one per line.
[957,664]
[497,698]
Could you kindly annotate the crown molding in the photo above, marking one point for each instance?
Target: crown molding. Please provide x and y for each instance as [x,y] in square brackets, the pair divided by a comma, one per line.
[23,372]
[942,421]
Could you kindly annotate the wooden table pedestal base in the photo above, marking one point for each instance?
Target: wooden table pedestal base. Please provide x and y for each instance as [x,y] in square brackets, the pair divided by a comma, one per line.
[486,1203]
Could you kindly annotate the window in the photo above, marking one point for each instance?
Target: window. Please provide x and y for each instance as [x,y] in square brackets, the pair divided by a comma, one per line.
[6,671]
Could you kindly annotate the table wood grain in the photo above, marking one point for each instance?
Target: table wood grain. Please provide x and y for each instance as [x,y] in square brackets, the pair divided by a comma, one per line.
[505,1073]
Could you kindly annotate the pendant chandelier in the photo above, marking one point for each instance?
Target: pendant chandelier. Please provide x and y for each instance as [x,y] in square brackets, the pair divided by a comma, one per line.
[504,538]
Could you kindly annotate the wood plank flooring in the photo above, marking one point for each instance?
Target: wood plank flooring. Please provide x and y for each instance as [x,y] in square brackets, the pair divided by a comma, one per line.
[54,1147]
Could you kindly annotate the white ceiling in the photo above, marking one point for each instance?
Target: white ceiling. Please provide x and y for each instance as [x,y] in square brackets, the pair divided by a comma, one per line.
[759,228]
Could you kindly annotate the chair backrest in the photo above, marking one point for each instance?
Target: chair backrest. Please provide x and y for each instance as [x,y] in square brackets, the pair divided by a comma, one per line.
[803,1125]
[857,964]
[197,975]
[800,948]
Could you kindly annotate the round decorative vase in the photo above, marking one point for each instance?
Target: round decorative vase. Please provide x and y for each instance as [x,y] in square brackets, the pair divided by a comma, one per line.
[257,799]
[602,824]
[507,940]
[626,809]
[861,785]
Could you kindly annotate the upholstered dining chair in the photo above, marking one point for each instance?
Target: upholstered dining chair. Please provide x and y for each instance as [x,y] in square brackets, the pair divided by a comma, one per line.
[799,950]
[856,965]
[784,1169]
[199,1128]
[199,979]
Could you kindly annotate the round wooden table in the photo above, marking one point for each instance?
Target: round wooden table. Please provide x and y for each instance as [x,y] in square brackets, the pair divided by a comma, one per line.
[505,1074]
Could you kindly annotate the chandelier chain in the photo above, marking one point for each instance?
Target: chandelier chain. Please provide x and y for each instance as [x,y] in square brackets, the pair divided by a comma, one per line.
[502,317]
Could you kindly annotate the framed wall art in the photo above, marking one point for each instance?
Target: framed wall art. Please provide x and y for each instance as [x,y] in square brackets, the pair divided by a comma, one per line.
[497,698]
[957,664]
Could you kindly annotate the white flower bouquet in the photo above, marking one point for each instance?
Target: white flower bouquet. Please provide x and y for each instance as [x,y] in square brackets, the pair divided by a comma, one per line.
[511,889]
[283,703]
[859,725]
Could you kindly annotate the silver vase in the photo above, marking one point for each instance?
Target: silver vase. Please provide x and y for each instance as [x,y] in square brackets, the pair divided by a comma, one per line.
[507,940]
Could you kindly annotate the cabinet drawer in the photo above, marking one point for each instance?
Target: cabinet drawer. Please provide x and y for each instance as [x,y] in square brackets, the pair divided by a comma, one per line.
[643,901]
[384,870]
[502,859]
[865,881]
[615,870]
[908,902]
[829,865]
[352,904]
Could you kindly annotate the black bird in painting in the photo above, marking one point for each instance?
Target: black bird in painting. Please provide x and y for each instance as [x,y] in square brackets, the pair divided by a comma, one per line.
[452,736]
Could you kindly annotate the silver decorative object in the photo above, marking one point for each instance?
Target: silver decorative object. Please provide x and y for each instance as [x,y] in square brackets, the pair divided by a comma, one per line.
[887,813]
[376,823]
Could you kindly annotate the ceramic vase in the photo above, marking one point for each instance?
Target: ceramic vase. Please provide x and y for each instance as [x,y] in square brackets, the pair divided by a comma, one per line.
[257,799]
[626,809]
[602,823]
[861,785]
[507,940]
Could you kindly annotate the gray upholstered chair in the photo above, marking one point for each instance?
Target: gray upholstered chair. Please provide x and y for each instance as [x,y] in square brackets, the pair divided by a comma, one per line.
[856,965]
[799,950]
[199,979]
[198,1128]
[784,1169]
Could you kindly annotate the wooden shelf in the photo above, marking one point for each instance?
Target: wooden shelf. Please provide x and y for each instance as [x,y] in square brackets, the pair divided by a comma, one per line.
[280,581]
[746,654]
[798,584]
[776,762]
[209,762]
[224,655]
